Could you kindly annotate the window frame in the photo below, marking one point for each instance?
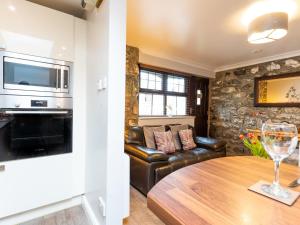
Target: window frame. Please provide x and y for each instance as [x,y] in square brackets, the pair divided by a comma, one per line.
[165,74]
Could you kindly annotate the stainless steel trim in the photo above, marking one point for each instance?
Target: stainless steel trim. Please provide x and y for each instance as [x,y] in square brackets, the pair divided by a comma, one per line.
[20,90]
[36,112]
[30,88]
[34,58]
[30,62]
[57,79]
[63,69]
[2,168]
[61,79]
[10,102]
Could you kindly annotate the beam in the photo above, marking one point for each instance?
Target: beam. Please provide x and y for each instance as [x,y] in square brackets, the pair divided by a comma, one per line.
[98,3]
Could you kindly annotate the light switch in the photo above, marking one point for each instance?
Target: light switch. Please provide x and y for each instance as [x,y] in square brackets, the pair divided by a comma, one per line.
[102,84]
[99,85]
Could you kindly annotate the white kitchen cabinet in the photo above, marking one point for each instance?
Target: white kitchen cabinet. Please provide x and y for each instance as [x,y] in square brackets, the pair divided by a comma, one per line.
[32,29]
[32,183]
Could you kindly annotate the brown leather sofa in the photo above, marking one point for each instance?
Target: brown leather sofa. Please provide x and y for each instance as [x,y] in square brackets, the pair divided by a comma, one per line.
[149,166]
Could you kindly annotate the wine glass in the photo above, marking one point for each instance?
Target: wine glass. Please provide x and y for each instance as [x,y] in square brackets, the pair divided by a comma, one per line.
[280,141]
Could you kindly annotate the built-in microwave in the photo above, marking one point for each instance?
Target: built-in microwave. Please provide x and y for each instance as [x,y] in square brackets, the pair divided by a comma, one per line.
[34,76]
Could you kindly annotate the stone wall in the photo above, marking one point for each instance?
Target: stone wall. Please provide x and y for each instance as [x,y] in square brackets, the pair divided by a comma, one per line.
[132,87]
[231,102]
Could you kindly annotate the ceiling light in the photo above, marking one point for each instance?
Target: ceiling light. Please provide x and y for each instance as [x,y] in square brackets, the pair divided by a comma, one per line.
[12,8]
[262,7]
[267,28]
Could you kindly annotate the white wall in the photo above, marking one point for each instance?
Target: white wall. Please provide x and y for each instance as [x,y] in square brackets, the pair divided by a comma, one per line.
[175,65]
[62,177]
[105,159]
[79,107]
[33,29]
[150,121]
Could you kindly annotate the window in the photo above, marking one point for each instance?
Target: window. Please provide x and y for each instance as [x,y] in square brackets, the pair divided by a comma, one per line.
[150,80]
[151,104]
[162,93]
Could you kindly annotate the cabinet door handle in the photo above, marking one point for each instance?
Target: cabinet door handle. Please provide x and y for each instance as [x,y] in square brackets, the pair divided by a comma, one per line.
[2,168]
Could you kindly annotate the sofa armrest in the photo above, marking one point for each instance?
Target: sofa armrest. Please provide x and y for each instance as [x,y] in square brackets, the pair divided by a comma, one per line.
[146,154]
[210,143]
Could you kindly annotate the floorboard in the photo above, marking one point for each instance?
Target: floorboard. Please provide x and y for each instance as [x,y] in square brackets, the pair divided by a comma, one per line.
[139,214]
[71,216]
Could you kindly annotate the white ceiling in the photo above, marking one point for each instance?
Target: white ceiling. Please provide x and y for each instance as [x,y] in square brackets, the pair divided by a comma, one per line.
[203,33]
[206,34]
[72,7]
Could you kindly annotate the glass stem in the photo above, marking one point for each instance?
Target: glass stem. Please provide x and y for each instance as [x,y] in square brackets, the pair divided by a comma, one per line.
[276,169]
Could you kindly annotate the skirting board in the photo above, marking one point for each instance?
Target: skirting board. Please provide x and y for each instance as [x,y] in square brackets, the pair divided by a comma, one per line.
[89,212]
[39,212]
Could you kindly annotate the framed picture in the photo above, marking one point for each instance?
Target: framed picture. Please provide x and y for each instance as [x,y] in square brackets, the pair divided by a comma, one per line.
[277,91]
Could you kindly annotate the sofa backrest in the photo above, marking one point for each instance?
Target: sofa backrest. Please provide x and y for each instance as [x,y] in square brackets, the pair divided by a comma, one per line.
[136,134]
[190,127]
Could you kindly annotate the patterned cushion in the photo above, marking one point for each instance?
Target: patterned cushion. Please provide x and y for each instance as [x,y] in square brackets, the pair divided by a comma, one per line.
[149,136]
[176,138]
[164,142]
[187,140]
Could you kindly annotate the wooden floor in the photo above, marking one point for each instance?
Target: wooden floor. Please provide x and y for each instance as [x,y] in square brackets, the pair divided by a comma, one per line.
[72,216]
[139,214]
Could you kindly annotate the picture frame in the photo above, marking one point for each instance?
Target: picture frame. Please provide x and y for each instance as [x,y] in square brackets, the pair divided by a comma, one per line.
[277,91]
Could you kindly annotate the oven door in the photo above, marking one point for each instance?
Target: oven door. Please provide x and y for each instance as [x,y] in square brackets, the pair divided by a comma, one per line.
[28,134]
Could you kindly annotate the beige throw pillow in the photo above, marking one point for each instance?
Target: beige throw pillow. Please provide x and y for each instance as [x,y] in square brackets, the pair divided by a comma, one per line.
[175,132]
[164,142]
[149,135]
[187,140]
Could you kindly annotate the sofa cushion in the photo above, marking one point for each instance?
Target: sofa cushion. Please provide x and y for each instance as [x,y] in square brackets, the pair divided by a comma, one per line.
[181,159]
[164,142]
[187,140]
[175,132]
[149,135]
[203,154]
[147,154]
[211,143]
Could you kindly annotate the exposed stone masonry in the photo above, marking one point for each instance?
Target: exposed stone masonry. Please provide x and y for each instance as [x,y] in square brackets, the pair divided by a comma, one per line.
[132,87]
[232,102]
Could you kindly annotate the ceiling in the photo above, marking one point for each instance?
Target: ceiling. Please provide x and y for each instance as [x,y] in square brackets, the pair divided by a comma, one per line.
[203,33]
[208,34]
[72,7]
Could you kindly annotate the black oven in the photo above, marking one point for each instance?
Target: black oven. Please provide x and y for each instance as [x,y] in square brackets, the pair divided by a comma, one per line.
[34,133]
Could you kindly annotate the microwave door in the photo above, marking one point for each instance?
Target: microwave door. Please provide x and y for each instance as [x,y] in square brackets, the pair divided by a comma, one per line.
[27,75]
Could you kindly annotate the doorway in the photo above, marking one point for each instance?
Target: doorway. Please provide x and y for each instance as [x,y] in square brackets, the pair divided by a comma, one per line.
[199,94]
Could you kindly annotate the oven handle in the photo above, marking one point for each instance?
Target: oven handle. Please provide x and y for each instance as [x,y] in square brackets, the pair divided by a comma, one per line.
[36,112]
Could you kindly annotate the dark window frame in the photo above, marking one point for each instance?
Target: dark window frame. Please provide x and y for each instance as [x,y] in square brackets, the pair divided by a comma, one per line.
[165,73]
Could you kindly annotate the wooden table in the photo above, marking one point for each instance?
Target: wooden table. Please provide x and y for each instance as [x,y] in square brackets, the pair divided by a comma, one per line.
[215,192]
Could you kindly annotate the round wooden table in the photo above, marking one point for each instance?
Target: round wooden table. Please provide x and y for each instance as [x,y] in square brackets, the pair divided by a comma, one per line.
[216,192]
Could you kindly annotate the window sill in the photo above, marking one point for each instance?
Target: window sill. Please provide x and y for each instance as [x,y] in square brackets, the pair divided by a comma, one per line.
[165,117]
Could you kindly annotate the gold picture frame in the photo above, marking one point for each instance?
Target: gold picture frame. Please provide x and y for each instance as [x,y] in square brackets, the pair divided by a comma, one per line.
[277,91]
